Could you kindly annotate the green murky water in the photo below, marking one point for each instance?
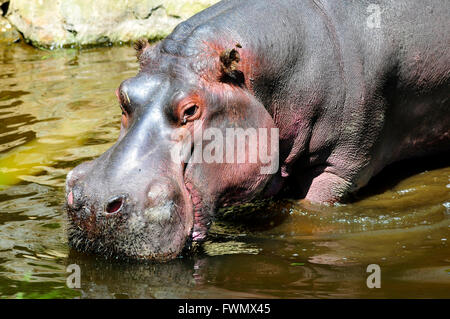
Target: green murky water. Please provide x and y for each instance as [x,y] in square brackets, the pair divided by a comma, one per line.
[58,109]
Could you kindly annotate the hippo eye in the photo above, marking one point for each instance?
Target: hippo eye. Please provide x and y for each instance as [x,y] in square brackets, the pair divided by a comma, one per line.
[189,113]
[125,103]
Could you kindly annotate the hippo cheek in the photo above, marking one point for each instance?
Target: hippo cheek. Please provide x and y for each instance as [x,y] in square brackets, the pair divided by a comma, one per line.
[223,182]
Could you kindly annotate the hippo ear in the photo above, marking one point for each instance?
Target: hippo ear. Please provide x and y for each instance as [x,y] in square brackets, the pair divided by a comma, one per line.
[229,60]
[140,46]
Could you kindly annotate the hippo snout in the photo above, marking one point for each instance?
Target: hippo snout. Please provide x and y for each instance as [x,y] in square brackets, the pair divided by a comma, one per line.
[125,217]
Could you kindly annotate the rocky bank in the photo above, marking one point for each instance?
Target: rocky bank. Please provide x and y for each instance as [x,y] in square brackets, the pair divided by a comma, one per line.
[66,23]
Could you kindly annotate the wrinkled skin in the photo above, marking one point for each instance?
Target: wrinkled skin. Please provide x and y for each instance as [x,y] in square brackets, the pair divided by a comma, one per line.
[347,100]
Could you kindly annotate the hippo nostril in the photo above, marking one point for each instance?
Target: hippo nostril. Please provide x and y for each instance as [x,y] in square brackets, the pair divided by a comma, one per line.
[114,205]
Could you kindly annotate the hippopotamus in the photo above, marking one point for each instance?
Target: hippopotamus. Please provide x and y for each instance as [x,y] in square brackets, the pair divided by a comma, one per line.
[337,89]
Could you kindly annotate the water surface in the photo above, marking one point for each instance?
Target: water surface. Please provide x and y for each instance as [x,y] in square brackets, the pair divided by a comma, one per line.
[58,109]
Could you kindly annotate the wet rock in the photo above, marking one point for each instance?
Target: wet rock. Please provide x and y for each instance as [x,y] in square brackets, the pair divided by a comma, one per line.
[57,23]
[7,32]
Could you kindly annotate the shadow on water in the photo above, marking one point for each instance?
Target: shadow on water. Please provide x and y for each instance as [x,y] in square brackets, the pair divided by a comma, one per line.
[395,173]
[58,109]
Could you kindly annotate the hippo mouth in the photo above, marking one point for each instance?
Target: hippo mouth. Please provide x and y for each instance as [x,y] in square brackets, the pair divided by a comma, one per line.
[201,220]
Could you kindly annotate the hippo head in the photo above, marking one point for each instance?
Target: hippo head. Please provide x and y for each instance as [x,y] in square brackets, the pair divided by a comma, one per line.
[176,160]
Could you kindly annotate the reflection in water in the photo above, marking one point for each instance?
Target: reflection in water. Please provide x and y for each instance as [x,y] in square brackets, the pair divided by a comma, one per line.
[58,109]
